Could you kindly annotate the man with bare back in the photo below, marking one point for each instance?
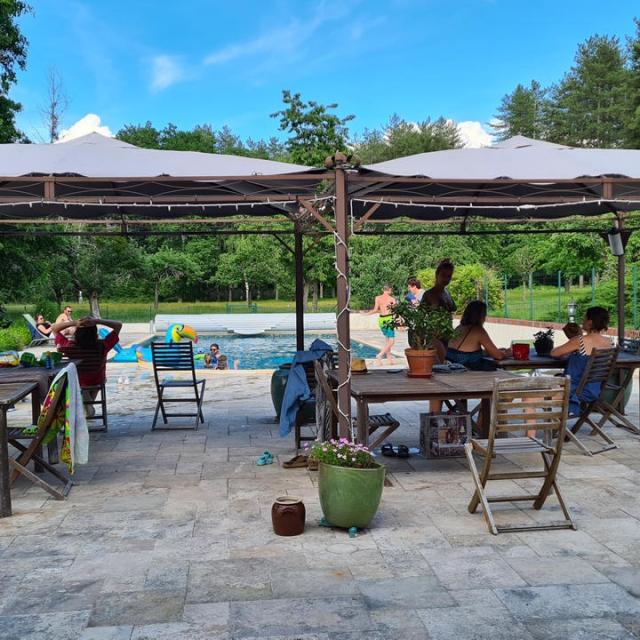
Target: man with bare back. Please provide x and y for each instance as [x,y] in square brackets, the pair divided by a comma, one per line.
[382,306]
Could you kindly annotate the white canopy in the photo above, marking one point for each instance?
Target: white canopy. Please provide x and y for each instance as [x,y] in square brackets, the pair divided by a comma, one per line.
[98,156]
[518,158]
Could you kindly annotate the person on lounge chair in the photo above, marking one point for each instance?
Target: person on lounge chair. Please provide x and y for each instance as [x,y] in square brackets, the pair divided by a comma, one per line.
[44,327]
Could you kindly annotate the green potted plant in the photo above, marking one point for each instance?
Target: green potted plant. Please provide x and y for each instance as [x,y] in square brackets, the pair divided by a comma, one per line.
[350,482]
[428,328]
[543,342]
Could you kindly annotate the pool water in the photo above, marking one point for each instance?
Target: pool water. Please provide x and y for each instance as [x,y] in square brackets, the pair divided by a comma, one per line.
[267,351]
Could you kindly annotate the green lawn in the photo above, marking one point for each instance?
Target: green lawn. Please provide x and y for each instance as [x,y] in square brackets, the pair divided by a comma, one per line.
[545,306]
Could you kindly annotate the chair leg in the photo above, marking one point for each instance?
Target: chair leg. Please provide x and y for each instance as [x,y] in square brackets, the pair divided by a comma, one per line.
[552,469]
[479,495]
[19,469]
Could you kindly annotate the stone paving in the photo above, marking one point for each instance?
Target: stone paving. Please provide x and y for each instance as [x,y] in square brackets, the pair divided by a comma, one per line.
[167,535]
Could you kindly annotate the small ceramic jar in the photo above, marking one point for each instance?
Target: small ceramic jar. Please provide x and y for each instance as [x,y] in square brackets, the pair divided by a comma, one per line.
[288,516]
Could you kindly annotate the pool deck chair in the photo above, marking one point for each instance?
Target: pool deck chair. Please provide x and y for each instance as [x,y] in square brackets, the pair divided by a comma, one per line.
[32,451]
[177,356]
[385,421]
[37,338]
[522,405]
[599,370]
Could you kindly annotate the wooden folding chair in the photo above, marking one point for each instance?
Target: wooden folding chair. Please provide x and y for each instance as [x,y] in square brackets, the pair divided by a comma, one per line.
[539,403]
[90,361]
[33,451]
[598,372]
[176,356]
[385,421]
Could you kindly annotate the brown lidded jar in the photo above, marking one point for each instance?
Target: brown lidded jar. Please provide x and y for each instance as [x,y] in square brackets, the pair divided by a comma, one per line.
[288,515]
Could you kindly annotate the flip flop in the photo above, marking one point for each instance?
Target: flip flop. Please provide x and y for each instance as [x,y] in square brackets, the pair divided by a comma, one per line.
[403,451]
[296,462]
[387,450]
[265,458]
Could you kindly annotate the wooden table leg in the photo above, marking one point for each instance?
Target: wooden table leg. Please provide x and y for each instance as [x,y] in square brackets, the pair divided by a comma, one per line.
[483,417]
[363,422]
[5,489]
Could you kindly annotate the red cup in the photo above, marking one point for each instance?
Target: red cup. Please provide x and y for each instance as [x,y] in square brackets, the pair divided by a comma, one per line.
[520,351]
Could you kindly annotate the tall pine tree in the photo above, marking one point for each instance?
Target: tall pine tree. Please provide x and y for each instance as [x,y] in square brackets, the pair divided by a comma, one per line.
[590,106]
[522,113]
[632,138]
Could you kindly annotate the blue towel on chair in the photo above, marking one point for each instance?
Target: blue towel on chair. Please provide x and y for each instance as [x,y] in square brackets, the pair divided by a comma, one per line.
[297,390]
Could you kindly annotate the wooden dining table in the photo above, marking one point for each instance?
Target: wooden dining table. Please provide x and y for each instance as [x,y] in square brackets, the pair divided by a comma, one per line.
[11,393]
[385,385]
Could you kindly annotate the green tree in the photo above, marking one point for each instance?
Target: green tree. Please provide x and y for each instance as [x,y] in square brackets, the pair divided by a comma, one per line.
[589,106]
[168,265]
[633,125]
[13,56]
[145,136]
[574,254]
[521,112]
[400,138]
[315,132]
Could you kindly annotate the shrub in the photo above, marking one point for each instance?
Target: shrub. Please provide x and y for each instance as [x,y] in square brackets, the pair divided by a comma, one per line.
[15,337]
[50,310]
[468,284]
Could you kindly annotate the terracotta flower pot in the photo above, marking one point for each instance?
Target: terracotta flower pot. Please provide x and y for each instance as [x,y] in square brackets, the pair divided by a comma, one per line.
[350,497]
[420,362]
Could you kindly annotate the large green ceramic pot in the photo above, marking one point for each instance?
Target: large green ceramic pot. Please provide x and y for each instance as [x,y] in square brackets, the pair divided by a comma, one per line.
[350,497]
[278,383]
[608,395]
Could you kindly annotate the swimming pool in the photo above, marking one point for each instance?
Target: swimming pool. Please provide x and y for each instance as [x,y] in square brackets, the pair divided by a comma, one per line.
[267,351]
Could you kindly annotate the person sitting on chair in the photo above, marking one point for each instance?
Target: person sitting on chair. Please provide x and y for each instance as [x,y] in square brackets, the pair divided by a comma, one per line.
[44,327]
[579,348]
[87,344]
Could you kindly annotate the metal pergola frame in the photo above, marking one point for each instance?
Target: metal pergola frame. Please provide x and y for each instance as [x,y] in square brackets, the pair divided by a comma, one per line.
[339,202]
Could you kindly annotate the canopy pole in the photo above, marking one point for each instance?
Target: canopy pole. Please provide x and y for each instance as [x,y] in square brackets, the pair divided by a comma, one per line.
[299,265]
[344,334]
[624,236]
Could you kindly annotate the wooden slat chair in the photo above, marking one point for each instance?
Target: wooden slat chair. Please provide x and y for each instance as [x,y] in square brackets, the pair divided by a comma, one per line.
[33,451]
[176,357]
[385,422]
[539,403]
[599,370]
[89,361]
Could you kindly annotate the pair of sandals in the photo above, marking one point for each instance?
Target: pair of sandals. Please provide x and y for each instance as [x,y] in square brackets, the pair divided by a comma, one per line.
[300,462]
[401,451]
[265,458]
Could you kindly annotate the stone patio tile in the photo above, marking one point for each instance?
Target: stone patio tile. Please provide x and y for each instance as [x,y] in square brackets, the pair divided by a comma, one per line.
[478,619]
[46,626]
[569,602]
[475,572]
[304,583]
[107,633]
[213,615]
[227,580]
[627,577]
[171,577]
[176,631]
[412,592]
[584,629]
[545,571]
[137,608]
[296,617]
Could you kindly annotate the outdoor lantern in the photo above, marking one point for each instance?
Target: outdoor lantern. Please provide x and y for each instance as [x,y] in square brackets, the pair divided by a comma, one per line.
[571,308]
[615,242]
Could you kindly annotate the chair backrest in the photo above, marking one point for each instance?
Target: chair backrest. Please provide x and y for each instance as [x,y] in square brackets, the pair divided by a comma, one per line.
[599,368]
[88,360]
[532,403]
[328,393]
[31,323]
[172,356]
[52,402]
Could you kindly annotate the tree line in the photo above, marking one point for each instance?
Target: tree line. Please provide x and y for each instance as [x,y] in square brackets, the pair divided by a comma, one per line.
[596,103]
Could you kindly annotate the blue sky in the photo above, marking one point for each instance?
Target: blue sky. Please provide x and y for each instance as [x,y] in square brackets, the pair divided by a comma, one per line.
[193,62]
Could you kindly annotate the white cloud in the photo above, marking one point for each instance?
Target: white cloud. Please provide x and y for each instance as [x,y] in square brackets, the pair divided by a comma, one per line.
[279,43]
[165,71]
[90,123]
[473,135]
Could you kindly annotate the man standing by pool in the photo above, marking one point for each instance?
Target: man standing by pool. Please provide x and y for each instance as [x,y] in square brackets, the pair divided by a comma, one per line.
[382,306]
